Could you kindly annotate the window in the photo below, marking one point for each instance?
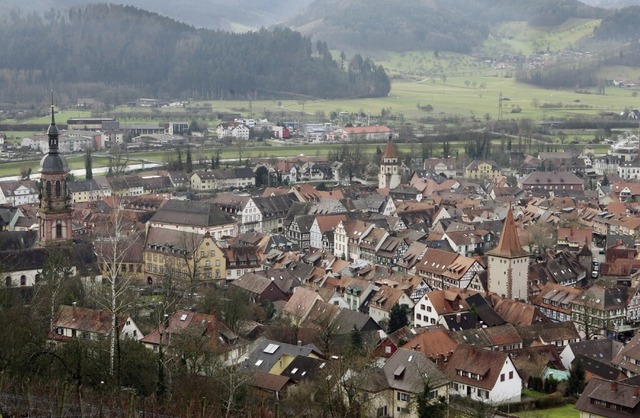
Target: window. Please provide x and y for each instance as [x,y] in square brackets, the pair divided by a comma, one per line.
[58,229]
[405,397]
[510,375]
[502,377]
[419,317]
[23,280]
[7,281]
[58,189]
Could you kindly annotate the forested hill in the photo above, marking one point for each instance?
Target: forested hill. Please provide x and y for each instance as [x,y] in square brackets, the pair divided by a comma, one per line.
[407,25]
[143,53]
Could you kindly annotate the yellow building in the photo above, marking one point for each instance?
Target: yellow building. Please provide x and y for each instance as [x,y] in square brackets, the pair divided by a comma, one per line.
[186,256]
[478,170]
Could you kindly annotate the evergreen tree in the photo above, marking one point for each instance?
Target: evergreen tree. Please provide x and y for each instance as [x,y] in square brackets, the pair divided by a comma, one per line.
[576,381]
[398,317]
[88,165]
[189,162]
[357,342]
[179,165]
[430,408]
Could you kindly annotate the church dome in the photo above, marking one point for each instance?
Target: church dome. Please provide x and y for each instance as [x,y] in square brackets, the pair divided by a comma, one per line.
[53,163]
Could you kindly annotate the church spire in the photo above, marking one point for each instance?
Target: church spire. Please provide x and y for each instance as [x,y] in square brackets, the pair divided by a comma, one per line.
[53,130]
[509,245]
[390,152]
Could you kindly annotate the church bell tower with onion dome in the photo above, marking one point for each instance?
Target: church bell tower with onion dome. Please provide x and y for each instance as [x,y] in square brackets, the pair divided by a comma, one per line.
[55,203]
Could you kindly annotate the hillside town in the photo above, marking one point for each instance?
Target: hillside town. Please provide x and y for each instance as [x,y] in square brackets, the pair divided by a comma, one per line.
[458,282]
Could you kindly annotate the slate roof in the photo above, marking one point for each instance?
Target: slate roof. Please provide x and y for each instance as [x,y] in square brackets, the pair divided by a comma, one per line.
[604,350]
[83,186]
[486,314]
[193,213]
[599,368]
[407,370]
[632,351]
[252,283]
[267,353]
[274,206]
[303,368]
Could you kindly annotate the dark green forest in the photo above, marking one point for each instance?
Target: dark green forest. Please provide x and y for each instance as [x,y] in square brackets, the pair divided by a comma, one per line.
[621,25]
[126,52]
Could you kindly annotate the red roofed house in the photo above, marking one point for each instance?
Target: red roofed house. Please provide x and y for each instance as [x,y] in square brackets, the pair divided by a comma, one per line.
[483,375]
[211,335]
[92,324]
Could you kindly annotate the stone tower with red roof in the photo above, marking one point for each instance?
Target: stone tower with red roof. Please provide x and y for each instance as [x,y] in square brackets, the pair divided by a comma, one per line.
[389,176]
[508,263]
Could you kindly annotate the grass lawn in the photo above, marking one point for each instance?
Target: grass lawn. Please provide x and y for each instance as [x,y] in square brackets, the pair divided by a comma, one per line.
[566,411]
[529,393]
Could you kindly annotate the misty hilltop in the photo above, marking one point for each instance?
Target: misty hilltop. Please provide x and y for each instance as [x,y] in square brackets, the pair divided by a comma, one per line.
[236,16]
[369,26]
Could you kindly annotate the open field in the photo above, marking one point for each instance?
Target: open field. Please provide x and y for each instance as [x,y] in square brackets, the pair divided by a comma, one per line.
[61,116]
[566,411]
[521,38]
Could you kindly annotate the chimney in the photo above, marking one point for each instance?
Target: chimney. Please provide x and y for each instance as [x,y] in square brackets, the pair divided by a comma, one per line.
[614,386]
[299,343]
[73,311]
[458,316]
[636,392]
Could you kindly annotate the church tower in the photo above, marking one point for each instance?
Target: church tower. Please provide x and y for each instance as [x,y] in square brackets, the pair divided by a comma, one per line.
[389,176]
[508,264]
[55,202]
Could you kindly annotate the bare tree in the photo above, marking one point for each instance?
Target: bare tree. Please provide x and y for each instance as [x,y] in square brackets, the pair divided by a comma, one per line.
[113,245]
[541,237]
[118,159]
[352,158]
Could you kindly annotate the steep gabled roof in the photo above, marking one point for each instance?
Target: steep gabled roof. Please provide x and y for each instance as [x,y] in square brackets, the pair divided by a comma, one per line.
[485,363]
[390,151]
[509,245]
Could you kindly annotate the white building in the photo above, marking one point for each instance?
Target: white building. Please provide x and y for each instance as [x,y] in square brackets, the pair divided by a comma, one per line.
[483,375]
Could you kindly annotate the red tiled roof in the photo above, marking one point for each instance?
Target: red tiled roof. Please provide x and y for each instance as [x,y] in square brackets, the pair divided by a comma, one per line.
[509,245]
